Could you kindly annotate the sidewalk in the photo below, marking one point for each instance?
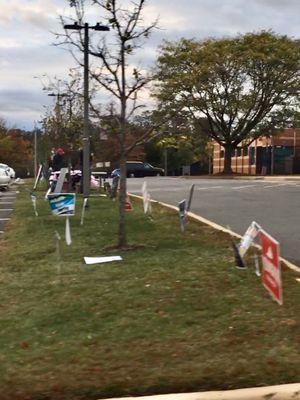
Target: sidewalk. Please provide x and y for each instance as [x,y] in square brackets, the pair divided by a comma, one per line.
[279,392]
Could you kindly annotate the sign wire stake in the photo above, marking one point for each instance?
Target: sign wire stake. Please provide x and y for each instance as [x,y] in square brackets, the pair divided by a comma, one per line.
[256,262]
[83,210]
[68,232]
[58,253]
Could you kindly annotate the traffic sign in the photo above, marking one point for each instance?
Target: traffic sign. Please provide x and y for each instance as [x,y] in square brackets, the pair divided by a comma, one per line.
[271,271]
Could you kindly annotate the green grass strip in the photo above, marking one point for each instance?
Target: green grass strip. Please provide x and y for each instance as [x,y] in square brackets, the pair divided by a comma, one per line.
[175,315]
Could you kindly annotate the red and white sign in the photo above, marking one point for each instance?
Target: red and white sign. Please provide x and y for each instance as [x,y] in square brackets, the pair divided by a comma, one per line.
[271,271]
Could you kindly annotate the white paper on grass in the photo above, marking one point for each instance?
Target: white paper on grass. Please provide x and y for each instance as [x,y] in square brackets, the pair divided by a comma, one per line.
[98,260]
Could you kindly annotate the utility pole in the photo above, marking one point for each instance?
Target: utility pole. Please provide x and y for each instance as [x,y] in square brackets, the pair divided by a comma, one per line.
[58,110]
[35,151]
[166,161]
[86,136]
[272,155]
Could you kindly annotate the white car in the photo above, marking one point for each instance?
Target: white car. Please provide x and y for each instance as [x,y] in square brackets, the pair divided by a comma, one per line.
[11,171]
[7,175]
[4,178]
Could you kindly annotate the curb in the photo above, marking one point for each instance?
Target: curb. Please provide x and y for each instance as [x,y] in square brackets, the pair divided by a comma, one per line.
[278,392]
[218,227]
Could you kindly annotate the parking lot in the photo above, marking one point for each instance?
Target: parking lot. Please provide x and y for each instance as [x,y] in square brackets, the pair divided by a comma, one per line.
[231,203]
[6,207]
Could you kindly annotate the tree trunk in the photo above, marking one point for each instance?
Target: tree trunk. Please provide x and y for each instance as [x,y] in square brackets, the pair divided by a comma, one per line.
[227,160]
[122,241]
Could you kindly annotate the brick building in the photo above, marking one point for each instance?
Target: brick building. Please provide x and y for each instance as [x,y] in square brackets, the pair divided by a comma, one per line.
[279,155]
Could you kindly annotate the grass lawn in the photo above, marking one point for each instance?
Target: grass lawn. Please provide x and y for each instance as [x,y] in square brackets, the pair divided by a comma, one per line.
[175,315]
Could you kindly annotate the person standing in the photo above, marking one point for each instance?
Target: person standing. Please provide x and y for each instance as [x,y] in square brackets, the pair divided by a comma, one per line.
[58,160]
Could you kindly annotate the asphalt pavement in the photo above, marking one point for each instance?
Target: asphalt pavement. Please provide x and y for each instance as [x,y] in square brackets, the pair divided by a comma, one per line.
[273,204]
[7,199]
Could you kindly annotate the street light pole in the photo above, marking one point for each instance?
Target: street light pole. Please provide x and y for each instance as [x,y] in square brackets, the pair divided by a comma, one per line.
[86,136]
[272,155]
[58,110]
[166,161]
[35,151]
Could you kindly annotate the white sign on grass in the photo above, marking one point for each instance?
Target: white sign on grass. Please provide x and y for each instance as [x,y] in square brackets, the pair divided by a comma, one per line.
[146,199]
[248,238]
[63,205]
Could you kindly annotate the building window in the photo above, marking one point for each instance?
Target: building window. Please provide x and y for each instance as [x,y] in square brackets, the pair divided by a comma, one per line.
[239,152]
[245,151]
[221,153]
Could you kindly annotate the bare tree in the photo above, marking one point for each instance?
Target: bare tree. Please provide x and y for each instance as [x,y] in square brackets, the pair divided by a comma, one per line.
[124,82]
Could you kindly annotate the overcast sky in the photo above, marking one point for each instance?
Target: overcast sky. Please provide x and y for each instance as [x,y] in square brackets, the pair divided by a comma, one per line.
[27,51]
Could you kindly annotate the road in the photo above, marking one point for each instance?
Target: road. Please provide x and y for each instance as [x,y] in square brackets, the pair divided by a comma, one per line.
[236,203]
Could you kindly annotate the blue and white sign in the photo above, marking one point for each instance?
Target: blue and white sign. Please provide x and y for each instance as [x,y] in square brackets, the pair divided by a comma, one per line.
[62,204]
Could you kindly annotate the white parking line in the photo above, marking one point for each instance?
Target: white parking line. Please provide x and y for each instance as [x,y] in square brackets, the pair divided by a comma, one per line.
[209,187]
[6,209]
[4,219]
[244,187]
[5,202]
[281,184]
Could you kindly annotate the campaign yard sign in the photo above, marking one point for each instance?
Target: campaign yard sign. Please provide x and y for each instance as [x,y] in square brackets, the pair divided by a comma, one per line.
[182,214]
[271,271]
[62,204]
[248,238]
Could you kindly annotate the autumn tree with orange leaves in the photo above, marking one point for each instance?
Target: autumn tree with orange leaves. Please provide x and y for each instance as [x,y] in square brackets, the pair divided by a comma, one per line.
[15,149]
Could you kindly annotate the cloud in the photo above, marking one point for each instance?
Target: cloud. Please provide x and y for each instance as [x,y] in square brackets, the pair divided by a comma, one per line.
[26,51]
[38,13]
[21,107]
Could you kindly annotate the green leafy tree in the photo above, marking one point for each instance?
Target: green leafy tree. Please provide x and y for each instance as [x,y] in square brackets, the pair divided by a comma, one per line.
[178,141]
[239,85]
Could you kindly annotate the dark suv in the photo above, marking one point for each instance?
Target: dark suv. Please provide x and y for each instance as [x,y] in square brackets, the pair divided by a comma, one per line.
[140,169]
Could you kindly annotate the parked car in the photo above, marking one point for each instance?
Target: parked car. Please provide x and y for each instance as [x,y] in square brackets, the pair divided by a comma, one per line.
[11,171]
[139,169]
[4,178]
